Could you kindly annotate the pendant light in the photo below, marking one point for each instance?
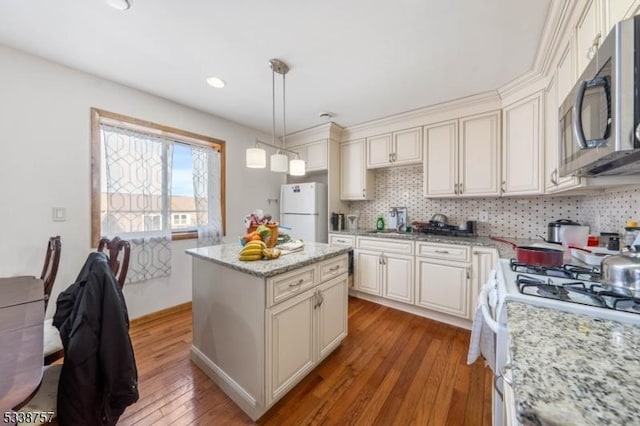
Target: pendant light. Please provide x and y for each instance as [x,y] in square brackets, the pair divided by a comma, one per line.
[278,160]
[256,157]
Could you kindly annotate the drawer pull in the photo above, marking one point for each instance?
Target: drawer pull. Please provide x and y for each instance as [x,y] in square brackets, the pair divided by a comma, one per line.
[300,281]
[335,268]
[442,251]
[341,241]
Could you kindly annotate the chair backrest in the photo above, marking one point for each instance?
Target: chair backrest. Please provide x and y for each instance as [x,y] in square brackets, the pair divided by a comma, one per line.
[115,248]
[50,268]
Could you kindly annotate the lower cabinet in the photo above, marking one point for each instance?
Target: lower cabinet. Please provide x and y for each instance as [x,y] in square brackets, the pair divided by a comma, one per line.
[443,287]
[483,260]
[443,278]
[384,267]
[302,331]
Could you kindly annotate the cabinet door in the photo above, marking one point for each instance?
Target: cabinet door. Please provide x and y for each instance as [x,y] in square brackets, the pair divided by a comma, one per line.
[290,343]
[483,261]
[441,160]
[332,314]
[407,147]
[617,10]
[356,183]
[566,75]
[479,155]
[397,277]
[587,35]
[315,156]
[553,182]
[367,266]
[379,151]
[521,157]
[443,287]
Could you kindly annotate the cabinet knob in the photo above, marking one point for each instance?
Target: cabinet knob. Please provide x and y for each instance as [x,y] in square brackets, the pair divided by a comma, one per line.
[460,188]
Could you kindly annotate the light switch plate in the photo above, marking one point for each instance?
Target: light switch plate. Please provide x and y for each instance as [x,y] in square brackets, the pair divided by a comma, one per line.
[59,214]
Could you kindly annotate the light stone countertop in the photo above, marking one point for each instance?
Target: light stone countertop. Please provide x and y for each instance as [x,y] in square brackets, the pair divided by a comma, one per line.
[227,255]
[505,251]
[572,369]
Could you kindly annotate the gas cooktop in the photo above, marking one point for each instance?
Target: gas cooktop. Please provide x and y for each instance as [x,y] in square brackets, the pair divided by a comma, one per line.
[568,288]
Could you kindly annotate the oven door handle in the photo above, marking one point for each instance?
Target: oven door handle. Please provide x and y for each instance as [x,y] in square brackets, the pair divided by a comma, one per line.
[486,312]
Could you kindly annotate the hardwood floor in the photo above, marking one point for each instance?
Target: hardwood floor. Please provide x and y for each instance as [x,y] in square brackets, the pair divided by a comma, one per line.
[394,368]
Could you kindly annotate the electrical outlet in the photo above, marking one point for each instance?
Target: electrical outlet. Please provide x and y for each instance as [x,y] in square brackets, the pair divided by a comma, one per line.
[483,217]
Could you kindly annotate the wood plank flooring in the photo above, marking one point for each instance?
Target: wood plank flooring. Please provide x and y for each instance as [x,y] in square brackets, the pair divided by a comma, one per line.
[394,368]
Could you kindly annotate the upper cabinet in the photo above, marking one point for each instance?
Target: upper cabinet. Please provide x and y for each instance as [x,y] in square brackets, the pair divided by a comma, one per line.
[617,10]
[395,149]
[315,155]
[462,157]
[356,182]
[588,35]
[522,160]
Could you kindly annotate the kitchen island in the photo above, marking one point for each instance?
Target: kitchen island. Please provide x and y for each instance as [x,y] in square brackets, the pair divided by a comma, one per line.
[260,327]
[572,369]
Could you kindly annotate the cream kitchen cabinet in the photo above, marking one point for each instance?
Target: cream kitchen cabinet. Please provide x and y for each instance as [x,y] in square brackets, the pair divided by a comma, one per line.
[384,267]
[395,149]
[553,182]
[462,157]
[617,10]
[443,280]
[588,34]
[315,154]
[302,331]
[356,182]
[483,260]
[522,151]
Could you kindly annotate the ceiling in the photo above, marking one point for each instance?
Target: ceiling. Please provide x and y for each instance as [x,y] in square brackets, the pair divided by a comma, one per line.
[360,60]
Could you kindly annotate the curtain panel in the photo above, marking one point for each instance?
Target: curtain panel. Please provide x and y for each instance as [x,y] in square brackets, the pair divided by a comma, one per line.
[136,194]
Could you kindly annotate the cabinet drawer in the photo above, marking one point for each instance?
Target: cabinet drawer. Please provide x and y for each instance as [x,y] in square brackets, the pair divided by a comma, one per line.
[386,245]
[347,240]
[444,251]
[289,284]
[331,268]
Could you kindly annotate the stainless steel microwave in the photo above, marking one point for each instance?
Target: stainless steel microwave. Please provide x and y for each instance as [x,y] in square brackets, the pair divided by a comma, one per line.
[600,119]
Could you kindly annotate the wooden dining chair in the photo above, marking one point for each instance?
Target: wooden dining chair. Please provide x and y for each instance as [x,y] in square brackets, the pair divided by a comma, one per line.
[50,269]
[115,248]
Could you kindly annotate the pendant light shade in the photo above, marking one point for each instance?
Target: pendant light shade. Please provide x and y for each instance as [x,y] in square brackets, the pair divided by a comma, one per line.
[297,167]
[279,163]
[256,158]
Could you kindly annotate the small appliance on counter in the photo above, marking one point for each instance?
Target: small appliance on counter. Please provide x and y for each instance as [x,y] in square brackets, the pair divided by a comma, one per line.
[352,222]
[557,228]
[337,221]
[466,229]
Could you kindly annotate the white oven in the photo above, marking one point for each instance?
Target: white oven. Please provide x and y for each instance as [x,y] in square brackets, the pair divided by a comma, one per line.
[504,280]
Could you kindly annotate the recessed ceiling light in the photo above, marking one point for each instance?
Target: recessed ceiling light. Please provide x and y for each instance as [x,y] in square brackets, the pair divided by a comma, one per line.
[120,4]
[216,82]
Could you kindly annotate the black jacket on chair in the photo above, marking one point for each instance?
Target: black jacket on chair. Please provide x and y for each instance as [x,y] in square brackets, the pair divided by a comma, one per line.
[99,378]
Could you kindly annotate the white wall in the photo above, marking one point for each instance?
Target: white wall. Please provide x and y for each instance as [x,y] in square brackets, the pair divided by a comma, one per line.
[45,162]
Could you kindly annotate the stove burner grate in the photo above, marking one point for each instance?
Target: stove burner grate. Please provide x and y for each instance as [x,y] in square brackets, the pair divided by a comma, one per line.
[565,271]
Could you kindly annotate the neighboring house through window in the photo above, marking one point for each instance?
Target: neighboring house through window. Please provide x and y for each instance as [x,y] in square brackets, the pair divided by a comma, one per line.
[152,184]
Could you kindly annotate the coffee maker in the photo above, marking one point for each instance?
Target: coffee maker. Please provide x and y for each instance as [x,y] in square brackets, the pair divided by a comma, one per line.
[337,221]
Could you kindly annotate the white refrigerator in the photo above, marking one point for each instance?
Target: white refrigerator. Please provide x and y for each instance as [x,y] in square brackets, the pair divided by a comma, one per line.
[303,208]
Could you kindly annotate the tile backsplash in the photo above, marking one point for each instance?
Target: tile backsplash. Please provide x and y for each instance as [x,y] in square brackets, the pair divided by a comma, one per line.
[516,217]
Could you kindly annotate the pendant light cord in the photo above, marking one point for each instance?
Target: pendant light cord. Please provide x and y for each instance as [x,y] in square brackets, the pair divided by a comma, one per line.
[284,112]
[273,105]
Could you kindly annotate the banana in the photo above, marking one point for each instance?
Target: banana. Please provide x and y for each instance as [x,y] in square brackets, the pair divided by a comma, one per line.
[250,257]
[271,253]
[251,251]
[256,243]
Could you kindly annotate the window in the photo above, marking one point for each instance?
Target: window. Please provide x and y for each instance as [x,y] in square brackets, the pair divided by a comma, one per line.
[148,178]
